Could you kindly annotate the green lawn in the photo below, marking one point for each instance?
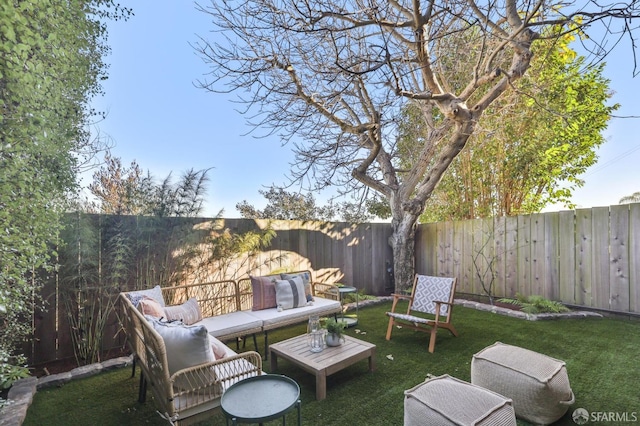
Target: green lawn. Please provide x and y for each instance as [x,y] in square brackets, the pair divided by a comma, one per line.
[601,357]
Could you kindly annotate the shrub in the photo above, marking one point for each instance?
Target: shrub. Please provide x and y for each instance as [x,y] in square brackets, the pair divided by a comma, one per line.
[536,304]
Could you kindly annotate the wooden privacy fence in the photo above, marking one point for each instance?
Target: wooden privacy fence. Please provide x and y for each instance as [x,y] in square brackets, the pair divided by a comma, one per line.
[169,252]
[586,257]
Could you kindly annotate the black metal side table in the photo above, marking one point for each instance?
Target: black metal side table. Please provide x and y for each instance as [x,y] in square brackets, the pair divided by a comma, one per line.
[261,399]
[350,320]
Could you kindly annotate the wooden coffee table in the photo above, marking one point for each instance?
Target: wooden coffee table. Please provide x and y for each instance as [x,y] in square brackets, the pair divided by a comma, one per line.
[325,363]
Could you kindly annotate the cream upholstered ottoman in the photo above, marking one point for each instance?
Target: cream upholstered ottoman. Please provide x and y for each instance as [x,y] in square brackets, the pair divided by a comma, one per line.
[537,384]
[446,400]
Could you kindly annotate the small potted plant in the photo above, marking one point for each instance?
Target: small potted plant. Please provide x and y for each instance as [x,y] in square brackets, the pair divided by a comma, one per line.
[334,332]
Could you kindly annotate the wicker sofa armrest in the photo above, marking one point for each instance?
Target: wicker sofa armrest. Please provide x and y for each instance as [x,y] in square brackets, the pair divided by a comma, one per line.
[214,298]
[326,290]
[207,382]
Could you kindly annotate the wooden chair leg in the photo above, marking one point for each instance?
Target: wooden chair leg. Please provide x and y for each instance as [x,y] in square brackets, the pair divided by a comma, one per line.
[432,339]
[389,328]
[452,329]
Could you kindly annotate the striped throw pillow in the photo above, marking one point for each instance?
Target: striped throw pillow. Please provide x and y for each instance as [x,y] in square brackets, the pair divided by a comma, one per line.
[290,293]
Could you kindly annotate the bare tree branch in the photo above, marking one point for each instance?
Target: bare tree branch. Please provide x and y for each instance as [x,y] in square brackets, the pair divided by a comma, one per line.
[332,76]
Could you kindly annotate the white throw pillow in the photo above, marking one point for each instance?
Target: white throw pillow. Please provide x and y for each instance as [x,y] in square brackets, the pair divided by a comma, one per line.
[186,345]
[155,293]
[290,293]
[189,312]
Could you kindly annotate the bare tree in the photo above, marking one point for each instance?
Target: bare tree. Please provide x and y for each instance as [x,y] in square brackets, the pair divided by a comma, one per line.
[331,76]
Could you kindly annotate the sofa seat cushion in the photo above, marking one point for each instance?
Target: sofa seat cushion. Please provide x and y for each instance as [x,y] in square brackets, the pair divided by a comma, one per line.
[233,324]
[271,318]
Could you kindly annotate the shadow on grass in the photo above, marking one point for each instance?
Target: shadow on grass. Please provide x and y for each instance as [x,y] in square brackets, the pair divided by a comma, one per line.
[601,358]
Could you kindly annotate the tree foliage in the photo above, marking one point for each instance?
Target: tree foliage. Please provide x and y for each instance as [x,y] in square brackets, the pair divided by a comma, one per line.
[331,77]
[129,191]
[284,205]
[628,199]
[530,150]
[50,66]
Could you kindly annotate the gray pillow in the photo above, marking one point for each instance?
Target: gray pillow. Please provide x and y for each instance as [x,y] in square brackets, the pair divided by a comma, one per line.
[290,293]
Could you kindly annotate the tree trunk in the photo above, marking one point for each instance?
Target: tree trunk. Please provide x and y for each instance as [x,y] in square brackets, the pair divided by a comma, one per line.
[402,242]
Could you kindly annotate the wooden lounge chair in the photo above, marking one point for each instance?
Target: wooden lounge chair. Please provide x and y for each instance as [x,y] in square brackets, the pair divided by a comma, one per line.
[430,295]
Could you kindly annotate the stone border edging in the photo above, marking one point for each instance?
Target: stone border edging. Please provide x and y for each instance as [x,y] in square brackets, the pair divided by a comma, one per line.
[21,393]
[523,315]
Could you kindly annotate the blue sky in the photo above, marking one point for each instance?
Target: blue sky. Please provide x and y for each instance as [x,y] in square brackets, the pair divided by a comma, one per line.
[157,117]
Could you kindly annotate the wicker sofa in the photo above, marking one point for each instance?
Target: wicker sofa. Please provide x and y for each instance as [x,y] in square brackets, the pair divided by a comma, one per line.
[180,404]
[227,311]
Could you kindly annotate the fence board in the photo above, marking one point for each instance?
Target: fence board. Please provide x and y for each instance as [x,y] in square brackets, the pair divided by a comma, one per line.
[445,248]
[584,255]
[634,257]
[429,255]
[457,251]
[538,261]
[619,267]
[44,344]
[511,256]
[499,242]
[566,256]
[601,259]
[468,276]
[483,256]
[551,266]
[382,258]
[523,284]
[366,253]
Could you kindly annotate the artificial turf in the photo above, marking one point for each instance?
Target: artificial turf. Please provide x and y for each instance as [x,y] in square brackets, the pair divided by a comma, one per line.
[601,356]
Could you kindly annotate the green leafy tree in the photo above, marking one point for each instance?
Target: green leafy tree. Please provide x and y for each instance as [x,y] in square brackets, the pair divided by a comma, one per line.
[530,151]
[50,66]
[284,205]
[333,75]
[628,199]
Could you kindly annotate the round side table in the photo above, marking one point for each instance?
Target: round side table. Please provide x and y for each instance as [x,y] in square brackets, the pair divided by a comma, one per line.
[260,399]
[350,320]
